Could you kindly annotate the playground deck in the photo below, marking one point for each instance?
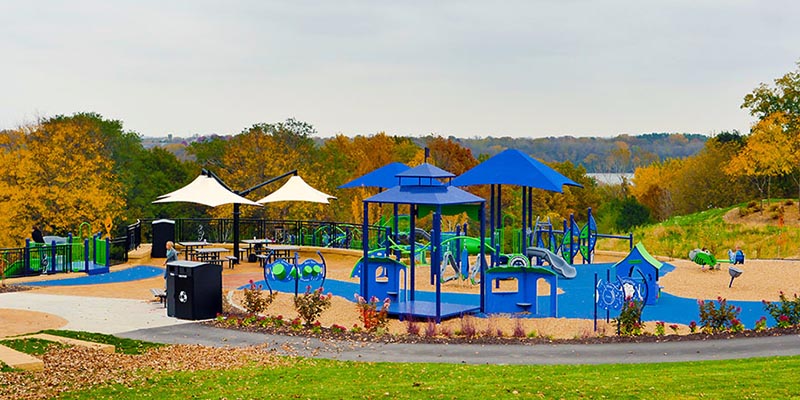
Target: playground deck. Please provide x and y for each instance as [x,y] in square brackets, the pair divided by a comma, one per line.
[420,309]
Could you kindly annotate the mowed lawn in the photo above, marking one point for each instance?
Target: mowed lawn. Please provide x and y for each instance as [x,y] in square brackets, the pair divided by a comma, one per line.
[765,378]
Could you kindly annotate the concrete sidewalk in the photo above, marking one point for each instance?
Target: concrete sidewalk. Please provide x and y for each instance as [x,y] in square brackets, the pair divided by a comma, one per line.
[93,314]
[625,353]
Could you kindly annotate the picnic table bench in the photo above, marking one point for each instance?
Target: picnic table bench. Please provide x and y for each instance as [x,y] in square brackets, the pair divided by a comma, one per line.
[160,294]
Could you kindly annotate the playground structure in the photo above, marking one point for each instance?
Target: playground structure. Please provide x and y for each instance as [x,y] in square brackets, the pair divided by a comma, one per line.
[634,278]
[58,255]
[644,270]
[293,271]
[523,296]
[419,188]
[423,191]
[570,241]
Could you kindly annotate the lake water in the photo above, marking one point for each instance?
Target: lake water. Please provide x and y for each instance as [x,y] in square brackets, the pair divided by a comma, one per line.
[610,179]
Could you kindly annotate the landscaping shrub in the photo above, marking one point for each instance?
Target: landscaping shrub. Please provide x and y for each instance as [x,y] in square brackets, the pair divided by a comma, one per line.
[660,329]
[719,316]
[370,316]
[468,328]
[254,300]
[412,328]
[311,304]
[785,312]
[430,328]
[519,329]
[629,322]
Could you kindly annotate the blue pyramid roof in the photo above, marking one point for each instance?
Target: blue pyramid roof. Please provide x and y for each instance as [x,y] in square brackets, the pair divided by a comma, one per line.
[513,167]
[424,174]
[425,171]
[428,195]
[383,177]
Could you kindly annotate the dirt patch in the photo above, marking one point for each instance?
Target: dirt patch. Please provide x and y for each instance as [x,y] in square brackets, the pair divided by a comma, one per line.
[761,280]
[19,322]
[770,216]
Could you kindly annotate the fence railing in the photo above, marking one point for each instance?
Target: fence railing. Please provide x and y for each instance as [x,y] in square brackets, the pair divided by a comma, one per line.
[95,255]
[68,254]
[295,232]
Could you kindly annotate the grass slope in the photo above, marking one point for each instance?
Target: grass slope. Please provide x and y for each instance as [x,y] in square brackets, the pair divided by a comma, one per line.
[324,379]
[759,234]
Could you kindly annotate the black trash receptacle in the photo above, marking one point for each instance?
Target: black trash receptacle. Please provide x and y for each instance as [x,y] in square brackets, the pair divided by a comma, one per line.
[194,290]
[163,232]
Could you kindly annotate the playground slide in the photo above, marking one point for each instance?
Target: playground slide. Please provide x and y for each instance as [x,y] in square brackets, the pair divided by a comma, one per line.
[421,233]
[557,263]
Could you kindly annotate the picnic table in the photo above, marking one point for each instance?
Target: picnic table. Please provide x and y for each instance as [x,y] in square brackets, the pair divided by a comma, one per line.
[280,251]
[191,248]
[253,245]
[210,254]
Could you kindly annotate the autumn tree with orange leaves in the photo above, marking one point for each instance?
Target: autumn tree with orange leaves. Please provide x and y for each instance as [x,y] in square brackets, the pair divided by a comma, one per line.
[57,174]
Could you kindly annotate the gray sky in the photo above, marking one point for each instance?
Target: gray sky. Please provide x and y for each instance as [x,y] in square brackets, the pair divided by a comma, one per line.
[462,68]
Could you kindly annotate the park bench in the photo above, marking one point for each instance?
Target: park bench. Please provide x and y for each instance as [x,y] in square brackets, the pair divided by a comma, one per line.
[160,294]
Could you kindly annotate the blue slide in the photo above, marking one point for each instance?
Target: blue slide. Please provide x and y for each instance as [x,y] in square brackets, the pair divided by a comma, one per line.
[557,263]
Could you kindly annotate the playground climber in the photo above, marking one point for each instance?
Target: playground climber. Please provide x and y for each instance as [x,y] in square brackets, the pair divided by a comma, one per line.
[36,235]
[704,257]
[736,257]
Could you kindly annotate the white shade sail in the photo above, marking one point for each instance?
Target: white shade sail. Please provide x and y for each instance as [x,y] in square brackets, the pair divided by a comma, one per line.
[204,190]
[296,189]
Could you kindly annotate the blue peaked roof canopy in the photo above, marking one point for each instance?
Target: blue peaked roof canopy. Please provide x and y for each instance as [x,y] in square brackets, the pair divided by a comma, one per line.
[383,177]
[424,174]
[513,167]
[419,185]
[425,195]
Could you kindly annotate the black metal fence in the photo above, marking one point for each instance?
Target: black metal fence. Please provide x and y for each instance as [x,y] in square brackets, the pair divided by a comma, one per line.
[64,256]
[295,232]
[73,256]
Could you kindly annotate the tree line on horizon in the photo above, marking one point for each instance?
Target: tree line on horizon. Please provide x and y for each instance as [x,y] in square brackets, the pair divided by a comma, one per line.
[65,170]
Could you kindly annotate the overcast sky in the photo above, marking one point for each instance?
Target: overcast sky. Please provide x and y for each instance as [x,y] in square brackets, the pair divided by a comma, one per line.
[461,68]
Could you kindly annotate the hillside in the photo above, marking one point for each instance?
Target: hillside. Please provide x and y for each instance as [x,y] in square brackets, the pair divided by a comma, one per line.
[773,233]
[619,154]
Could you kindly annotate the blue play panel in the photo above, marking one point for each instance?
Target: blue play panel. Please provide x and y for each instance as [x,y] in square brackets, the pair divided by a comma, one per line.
[126,275]
[577,301]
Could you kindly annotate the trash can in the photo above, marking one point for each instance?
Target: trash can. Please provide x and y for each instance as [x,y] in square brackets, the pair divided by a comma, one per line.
[163,232]
[194,290]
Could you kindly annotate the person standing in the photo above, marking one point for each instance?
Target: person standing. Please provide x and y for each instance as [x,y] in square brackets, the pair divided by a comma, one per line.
[172,255]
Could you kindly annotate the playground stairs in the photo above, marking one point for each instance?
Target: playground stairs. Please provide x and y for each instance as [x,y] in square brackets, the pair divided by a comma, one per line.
[19,360]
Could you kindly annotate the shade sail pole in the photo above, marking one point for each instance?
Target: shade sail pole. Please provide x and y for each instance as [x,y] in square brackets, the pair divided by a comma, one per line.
[236,211]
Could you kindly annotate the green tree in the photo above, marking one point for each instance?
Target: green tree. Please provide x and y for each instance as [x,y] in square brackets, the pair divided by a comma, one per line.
[783,98]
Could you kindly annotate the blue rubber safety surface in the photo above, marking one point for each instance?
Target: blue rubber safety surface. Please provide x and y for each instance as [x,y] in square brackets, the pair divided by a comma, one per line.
[577,301]
[126,275]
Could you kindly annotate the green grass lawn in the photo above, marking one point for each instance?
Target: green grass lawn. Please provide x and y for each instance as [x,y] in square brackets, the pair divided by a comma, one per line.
[121,345]
[324,379]
[35,347]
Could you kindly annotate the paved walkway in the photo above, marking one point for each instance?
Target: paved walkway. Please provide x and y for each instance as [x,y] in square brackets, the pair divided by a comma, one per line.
[145,320]
[627,353]
[93,314]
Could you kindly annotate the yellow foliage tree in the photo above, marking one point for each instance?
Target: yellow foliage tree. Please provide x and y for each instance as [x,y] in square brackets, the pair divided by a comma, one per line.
[771,151]
[56,174]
